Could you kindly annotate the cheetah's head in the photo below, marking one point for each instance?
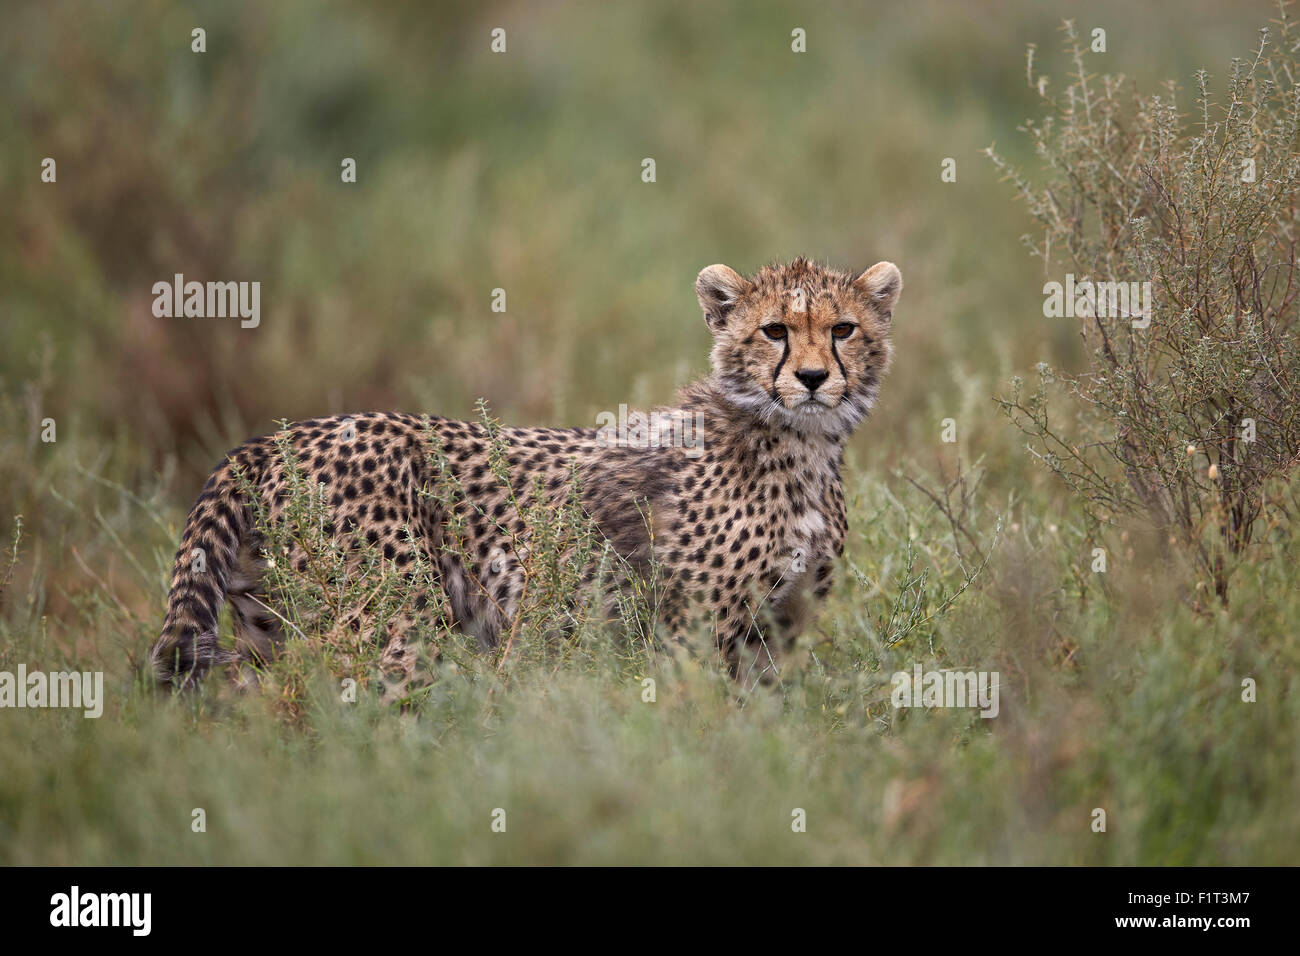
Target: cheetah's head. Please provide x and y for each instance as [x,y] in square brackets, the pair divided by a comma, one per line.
[801,345]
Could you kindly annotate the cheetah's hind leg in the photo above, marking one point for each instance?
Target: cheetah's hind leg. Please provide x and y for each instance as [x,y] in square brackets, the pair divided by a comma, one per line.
[410,656]
[259,635]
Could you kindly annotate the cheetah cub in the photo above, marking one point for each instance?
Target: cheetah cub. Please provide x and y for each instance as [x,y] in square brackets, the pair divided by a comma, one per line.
[741,527]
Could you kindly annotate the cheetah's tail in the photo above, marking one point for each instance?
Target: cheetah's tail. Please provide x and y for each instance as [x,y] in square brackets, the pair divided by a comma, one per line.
[201,576]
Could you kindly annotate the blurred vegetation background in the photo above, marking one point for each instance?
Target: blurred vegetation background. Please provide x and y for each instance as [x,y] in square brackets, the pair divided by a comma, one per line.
[519,171]
[522,171]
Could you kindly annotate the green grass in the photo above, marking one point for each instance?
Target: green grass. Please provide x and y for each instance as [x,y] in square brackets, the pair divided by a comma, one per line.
[1130,702]
[1120,691]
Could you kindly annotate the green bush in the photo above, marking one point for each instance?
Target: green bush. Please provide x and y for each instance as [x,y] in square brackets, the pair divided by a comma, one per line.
[1183,416]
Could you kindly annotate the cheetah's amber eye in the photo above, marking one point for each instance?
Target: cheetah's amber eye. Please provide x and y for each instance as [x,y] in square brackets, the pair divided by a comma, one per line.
[776,331]
[842,330]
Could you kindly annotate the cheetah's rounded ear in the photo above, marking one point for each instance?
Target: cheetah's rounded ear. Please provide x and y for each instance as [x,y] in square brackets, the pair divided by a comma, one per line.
[719,287]
[882,283]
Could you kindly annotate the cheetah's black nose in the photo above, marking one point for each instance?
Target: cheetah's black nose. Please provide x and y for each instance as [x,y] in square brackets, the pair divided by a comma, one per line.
[812,377]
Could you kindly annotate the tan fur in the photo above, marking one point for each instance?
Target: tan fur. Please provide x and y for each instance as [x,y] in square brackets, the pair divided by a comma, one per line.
[744,533]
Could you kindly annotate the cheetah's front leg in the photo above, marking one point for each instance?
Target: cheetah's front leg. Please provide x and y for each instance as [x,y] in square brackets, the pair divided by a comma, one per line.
[797,606]
[759,636]
[747,639]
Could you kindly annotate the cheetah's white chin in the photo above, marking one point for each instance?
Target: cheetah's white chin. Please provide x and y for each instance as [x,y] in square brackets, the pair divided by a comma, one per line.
[816,416]
[809,416]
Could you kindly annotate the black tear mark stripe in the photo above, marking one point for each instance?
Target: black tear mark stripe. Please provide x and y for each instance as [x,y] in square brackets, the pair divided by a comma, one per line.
[836,352]
[785,354]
